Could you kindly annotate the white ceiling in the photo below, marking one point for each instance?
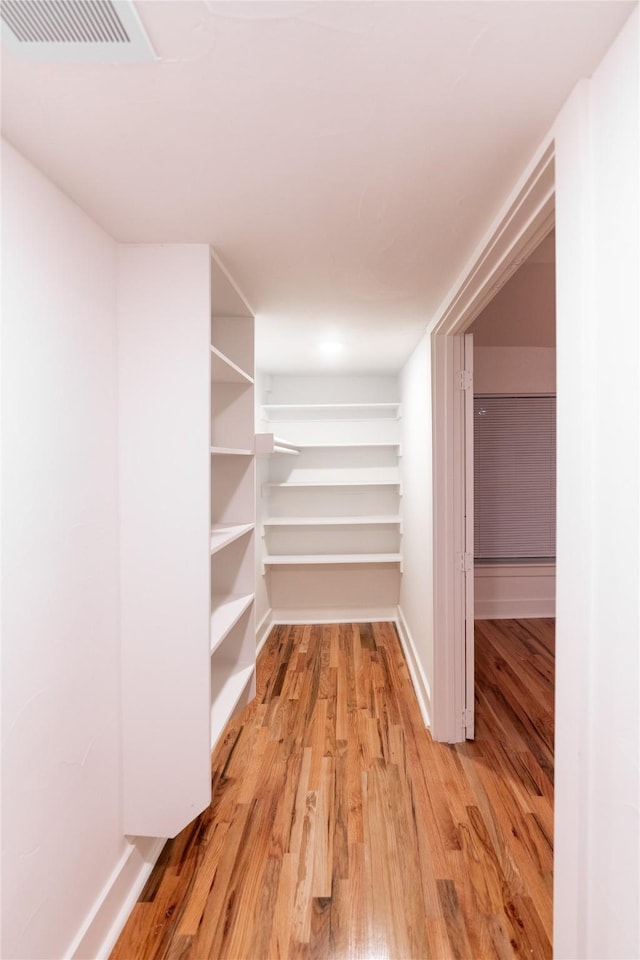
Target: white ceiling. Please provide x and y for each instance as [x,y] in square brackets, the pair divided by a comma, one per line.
[343,158]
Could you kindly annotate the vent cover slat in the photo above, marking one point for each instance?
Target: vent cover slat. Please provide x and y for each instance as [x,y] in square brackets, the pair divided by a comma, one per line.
[75,29]
[57,23]
[13,18]
[80,23]
[64,21]
[108,14]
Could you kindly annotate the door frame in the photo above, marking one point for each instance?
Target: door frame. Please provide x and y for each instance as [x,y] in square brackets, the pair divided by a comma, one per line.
[525,220]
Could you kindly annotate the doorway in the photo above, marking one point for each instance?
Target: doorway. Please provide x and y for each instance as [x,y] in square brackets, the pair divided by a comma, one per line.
[519,231]
[514,430]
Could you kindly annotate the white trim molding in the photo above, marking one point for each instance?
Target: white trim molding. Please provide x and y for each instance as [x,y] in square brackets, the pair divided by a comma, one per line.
[263,630]
[105,921]
[506,591]
[418,677]
[523,222]
[307,615]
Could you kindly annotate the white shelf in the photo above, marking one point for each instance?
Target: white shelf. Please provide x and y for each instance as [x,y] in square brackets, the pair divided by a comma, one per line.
[224,370]
[222,534]
[231,452]
[335,483]
[336,558]
[332,411]
[226,611]
[347,446]
[371,521]
[226,691]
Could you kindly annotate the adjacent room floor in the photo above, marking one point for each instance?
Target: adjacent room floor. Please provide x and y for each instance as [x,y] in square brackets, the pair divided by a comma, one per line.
[338,828]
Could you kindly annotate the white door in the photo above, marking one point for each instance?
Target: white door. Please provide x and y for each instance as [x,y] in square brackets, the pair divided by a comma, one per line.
[468,537]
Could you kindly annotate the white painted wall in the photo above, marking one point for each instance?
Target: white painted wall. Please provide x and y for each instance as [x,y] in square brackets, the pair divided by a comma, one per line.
[523,311]
[597,843]
[416,587]
[514,369]
[62,833]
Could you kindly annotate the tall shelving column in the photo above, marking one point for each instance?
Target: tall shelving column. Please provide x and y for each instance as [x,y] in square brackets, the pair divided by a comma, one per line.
[163,435]
[187,516]
[232,632]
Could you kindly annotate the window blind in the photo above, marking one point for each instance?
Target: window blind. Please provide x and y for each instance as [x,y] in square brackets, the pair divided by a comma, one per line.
[514,477]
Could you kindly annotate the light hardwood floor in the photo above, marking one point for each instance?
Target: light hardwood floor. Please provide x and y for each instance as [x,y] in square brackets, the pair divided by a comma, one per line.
[338,828]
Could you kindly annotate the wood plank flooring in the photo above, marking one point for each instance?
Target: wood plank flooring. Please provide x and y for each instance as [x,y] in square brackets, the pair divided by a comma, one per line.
[339,829]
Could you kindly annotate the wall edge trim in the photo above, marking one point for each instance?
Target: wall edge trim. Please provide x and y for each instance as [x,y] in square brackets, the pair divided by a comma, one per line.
[263,629]
[111,909]
[418,678]
[309,615]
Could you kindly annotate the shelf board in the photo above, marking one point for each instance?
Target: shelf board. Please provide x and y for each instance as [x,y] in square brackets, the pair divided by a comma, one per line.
[226,611]
[226,691]
[231,452]
[224,370]
[346,446]
[332,411]
[222,534]
[371,521]
[271,560]
[335,483]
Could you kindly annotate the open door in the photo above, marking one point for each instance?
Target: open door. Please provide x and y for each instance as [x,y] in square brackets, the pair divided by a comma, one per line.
[467,378]
[453,694]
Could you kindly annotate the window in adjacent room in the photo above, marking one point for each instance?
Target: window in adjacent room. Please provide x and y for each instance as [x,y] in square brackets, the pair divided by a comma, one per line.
[515,478]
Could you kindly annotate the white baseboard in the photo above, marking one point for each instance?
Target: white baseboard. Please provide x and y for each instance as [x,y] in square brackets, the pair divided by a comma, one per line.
[418,678]
[263,630]
[106,919]
[513,591]
[511,609]
[306,615]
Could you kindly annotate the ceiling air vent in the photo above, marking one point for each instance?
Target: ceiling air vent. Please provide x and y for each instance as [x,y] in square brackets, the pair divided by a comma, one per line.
[97,30]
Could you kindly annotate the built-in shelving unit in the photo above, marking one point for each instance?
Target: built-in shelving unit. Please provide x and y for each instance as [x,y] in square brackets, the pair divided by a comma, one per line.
[232,633]
[186,446]
[336,504]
